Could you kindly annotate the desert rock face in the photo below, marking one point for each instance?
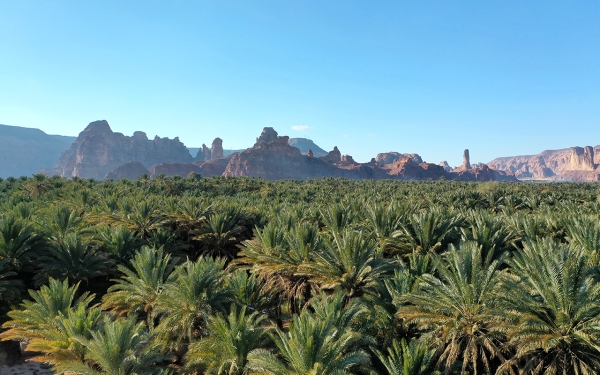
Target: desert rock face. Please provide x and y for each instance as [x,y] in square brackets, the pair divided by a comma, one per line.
[278,160]
[444,164]
[98,150]
[333,156]
[267,135]
[482,173]
[216,151]
[391,157]
[569,164]
[131,171]
[215,167]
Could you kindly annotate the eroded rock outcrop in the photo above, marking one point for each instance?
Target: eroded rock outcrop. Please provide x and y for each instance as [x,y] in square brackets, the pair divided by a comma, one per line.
[333,156]
[98,150]
[569,164]
[216,151]
[391,157]
[268,135]
[131,171]
[444,164]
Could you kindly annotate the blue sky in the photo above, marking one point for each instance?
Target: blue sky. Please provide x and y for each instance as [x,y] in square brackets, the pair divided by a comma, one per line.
[432,77]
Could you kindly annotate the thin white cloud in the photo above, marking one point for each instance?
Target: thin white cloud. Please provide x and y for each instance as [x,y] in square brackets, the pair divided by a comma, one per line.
[344,135]
[301,128]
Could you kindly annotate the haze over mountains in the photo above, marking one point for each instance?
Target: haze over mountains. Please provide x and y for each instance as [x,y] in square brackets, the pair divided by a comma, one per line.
[98,152]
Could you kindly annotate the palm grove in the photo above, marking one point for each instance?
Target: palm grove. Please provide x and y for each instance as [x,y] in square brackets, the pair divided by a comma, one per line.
[246,276]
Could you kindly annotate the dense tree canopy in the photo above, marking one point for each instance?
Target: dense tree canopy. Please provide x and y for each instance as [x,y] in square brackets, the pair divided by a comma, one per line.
[328,276]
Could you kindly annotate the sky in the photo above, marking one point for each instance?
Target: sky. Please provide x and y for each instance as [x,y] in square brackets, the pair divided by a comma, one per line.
[500,78]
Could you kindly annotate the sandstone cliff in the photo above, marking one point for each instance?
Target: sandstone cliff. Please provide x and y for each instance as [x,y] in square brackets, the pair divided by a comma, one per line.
[569,164]
[98,150]
[174,169]
[391,157]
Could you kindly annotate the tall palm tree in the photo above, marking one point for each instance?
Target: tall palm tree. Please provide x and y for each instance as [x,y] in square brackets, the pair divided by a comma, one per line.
[491,233]
[137,290]
[554,320]
[194,292]
[61,221]
[455,310]
[311,347]
[225,351]
[414,358]
[383,222]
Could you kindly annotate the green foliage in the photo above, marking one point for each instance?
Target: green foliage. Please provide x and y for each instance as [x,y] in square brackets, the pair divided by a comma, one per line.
[327,276]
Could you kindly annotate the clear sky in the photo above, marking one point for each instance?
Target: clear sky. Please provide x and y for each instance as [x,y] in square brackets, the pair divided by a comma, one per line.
[432,77]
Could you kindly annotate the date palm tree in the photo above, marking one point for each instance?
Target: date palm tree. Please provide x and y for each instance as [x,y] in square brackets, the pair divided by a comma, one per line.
[311,347]
[194,292]
[554,319]
[74,258]
[137,290]
[352,263]
[221,232]
[19,243]
[225,351]
[47,304]
[414,358]
[455,310]
[118,347]
[430,231]
[119,242]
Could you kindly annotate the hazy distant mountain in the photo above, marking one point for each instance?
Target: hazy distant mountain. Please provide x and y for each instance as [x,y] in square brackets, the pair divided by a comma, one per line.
[303,144]
[24,151]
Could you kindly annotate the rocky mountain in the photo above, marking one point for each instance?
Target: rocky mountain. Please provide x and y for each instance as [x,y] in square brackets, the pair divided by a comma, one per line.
[98,150]
[391,157]
[24,151]
[568,164]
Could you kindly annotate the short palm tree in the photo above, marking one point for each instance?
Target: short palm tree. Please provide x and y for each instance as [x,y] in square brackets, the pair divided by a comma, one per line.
[414,358]
[118,347]
[9,287]
[225,351]
[19,243]
[248,291]
[74,258]
[221,232]
[430,231]
[554,316]
[119,242]
[137,290]
[455,310]
[312,346]
[352,263]
[194,292]
[47,304]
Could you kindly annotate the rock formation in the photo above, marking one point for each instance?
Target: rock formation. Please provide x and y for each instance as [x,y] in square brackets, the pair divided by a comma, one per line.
[444,164]
[216,151]
[278,160]
[466,164]
[215,167]
[483,173]
[333,156]
[174,169]
[131,171]
[310,153]
[391,157]
[267,135]
[569,164]
[98,150]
